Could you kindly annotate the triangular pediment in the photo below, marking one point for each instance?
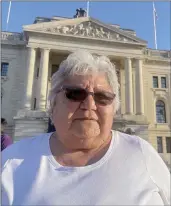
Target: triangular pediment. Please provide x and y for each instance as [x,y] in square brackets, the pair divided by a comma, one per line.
[85,27]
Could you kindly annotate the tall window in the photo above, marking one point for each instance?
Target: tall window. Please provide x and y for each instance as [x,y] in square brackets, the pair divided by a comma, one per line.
[155,82]
[4,69]
[160,112]
[159,145]
[168,144]
[163,82]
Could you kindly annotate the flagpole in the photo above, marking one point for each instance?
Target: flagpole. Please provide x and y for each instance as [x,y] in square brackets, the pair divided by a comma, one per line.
[88,4]
[9,10]
[154,20]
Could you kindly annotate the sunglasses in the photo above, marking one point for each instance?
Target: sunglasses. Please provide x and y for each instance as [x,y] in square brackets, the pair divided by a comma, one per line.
[77,94]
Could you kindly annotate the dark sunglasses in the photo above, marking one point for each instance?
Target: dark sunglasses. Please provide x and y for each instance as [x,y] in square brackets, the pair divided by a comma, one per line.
[77,94]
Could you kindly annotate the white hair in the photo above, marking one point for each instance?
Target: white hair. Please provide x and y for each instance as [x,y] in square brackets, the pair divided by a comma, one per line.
[82,62]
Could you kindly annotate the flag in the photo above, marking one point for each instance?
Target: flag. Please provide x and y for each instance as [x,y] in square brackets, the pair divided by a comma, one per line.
[155,12]
[155,17]
[8,16]
[87,8]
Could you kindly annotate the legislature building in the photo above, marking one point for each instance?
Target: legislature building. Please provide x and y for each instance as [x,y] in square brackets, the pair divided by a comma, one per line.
[30,58]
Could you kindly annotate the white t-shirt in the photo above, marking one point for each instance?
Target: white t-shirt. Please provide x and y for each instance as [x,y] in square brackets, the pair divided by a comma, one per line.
[130,173]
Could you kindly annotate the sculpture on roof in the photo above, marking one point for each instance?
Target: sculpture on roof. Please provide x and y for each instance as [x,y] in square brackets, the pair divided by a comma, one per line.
[80,13]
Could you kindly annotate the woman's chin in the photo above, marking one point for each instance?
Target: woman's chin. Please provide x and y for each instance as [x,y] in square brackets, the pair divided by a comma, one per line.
[85,129]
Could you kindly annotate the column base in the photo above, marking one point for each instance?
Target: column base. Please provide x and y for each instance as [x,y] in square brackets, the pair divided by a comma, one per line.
[139,113]
[29,123]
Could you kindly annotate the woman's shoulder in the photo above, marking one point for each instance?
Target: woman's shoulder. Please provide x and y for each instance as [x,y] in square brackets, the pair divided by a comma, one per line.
[155,166]
[129,141]
[21,149]
[148,152]
[157,170]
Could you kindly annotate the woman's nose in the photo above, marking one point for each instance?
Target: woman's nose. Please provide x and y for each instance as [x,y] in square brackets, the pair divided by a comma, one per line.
[89,103]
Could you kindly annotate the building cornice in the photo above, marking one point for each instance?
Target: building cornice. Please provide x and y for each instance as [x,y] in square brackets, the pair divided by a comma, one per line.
[153,57]
[157,61]
[13,38]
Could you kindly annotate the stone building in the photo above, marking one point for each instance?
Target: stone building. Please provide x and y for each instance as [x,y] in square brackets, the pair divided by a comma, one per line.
[30,58]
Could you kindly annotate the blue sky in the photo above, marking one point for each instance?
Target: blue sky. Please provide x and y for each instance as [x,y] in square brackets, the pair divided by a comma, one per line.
[132,15]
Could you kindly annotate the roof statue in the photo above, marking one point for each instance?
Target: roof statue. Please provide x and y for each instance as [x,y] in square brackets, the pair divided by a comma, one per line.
[80,13]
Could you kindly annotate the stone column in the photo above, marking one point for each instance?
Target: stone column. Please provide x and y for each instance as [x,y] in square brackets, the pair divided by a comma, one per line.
[128,87]
[43,79]
[139,88]
[49,82]
[30,77]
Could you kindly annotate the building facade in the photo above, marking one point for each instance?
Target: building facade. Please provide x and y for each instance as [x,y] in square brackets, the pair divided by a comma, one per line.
[30,58]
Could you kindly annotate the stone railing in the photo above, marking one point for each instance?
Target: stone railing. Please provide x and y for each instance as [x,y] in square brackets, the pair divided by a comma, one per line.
[12,36]
[157,53]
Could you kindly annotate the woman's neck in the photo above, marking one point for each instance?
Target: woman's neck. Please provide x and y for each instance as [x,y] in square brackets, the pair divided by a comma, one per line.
[79,157]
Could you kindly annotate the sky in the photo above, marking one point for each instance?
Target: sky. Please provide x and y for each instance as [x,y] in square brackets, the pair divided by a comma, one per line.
[131,15]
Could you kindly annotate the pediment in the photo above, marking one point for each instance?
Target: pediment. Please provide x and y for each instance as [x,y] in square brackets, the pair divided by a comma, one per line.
[85,27]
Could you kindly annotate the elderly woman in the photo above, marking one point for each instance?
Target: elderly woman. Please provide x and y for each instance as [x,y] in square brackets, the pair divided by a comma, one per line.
[84,162]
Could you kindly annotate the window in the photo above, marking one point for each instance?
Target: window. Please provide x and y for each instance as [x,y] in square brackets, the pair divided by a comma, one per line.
[159,145]
[160,112]
[4,69]
[168,144]
[163,82]
[155,82]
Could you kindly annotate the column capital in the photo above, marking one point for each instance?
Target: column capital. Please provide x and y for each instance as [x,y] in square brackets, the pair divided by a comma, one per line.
[139,58]
[127,58]
[31,47]
[45,49]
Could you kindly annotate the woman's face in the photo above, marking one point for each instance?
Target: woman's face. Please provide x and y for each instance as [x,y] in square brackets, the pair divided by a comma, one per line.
[78,124]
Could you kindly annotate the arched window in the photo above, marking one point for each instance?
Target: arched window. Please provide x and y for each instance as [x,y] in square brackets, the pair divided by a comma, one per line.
[160,112]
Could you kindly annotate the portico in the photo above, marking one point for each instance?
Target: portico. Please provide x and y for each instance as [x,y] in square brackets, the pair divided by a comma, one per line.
[45,73]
